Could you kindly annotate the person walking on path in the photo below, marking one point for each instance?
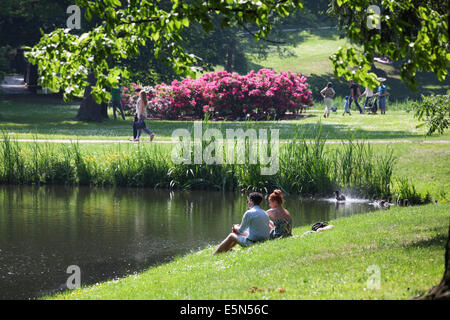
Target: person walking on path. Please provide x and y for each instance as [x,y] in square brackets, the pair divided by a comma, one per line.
[141,110]
[116,102]
[381,94]
[328,94]
[368,93]
[137,91]
[354,95]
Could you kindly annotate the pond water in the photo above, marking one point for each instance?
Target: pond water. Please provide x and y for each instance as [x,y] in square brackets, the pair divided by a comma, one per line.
[111,233]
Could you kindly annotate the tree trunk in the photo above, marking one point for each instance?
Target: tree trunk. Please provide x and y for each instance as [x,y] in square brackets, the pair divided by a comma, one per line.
[442,290]
[230,57]
[32,78]
[89,109]
[20,63]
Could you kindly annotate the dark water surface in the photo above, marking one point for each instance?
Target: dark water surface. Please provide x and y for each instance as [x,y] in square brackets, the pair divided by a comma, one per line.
[111,233]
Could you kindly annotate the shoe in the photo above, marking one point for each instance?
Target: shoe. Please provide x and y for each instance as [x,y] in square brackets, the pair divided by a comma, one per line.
[151,137]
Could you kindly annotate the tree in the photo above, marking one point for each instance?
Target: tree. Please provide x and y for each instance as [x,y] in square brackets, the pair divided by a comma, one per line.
[21,22]
[65,59]
[435,110]
[442,290]
[414,32]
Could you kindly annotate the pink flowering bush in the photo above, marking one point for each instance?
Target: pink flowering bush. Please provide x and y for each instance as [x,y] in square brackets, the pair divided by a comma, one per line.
[266,94]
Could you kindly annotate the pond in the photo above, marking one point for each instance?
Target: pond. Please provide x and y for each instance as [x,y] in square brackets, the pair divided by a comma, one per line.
[114,232]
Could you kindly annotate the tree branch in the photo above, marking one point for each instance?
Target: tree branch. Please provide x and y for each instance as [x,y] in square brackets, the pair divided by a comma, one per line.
[267,40]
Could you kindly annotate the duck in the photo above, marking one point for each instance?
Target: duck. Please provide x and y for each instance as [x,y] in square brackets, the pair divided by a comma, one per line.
[339,197]
[382,204]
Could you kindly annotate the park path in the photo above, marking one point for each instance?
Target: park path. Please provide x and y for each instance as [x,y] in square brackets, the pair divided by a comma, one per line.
[170,142]
[13,85]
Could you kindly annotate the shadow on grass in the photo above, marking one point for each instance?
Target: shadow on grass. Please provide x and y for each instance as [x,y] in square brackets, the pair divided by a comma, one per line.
[438,240]
[163,128]
[36,117]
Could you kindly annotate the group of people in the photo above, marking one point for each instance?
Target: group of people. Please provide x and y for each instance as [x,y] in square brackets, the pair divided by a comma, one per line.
[258,225]
[328,94]
[140,115]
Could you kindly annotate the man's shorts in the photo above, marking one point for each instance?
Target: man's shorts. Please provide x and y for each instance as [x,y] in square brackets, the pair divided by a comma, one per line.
[382,103]
[244,241]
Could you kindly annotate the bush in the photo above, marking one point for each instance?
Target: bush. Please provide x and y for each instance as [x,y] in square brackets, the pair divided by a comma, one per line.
[261,95]
[435,110]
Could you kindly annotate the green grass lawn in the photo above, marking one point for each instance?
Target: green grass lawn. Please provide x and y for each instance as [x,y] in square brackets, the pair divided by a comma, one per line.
[44,120]
[406,245]
[310,56]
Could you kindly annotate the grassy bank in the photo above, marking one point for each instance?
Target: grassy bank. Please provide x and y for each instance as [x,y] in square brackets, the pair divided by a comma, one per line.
[406,245]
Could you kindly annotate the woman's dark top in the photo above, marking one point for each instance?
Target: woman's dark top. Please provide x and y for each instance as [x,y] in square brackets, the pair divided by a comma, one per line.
[355,90]
[283,228]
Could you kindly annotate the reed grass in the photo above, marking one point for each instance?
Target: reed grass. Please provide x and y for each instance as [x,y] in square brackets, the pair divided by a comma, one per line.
[306,167]
[406,194]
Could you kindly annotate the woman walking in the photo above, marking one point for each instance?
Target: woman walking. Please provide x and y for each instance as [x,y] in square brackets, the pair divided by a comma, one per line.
[328,94]
[354,95]
[141,112]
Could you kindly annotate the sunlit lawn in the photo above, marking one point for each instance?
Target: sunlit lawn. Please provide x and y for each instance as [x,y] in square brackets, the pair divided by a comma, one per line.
[45,120]
[403,248]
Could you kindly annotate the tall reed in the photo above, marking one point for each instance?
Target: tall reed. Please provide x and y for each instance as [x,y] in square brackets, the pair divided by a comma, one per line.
[307,167]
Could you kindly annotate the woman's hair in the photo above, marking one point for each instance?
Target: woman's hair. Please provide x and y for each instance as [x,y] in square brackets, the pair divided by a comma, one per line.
[330,84]
[143,96]
[276,196]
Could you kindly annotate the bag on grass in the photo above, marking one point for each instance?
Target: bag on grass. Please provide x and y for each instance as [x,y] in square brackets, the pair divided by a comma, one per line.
[318,225]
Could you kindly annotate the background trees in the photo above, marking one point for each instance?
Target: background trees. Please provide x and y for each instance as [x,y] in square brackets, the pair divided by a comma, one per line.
[414,32]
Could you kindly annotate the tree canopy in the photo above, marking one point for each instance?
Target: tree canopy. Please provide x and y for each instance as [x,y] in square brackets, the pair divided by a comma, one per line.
[414,32]
[411,31]
[65,59]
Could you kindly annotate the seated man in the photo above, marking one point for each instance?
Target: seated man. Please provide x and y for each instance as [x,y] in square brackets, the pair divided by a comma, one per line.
[255,220]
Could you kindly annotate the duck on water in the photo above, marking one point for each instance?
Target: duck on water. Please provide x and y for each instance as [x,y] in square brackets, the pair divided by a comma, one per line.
[339,196]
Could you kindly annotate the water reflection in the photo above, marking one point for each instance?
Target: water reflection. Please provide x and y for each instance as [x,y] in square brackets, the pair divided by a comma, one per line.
[109,233]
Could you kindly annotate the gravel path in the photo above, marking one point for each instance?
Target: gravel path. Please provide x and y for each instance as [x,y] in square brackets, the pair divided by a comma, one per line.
[169,141]
[13,85]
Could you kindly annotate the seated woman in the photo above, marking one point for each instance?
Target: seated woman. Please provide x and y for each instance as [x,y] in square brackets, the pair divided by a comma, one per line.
[281,221]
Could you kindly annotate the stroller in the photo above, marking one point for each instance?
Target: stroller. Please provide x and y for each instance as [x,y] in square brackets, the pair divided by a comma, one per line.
[371,105]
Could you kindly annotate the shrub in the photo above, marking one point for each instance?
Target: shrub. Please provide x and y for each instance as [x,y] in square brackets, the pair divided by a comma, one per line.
[258,95]
[435,110]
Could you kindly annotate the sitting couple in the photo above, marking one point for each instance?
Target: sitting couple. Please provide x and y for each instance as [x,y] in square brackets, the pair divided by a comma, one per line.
[258,225]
